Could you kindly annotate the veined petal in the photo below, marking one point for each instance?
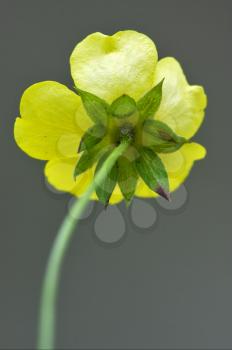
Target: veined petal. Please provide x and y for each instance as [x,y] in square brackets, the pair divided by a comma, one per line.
[59,173]
[110,66]
[52,121]
[182,106]
[178,165]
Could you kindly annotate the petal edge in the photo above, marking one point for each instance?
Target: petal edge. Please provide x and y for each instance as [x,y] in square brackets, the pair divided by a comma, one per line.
[110,66]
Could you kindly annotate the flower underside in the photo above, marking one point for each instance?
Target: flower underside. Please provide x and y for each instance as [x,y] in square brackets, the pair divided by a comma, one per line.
[124,94]
[127,120]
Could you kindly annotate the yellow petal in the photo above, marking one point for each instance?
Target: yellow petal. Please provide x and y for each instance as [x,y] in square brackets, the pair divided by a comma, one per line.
[110,66]
[178,165]
[142,190]
[59,173]
[182,106]
[52,121]
[116,196]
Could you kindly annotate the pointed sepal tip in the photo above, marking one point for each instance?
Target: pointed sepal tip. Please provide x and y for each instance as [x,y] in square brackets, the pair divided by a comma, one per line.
[163,193]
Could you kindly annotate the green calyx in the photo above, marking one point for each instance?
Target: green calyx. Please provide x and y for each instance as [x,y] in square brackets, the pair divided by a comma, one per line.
[134,123]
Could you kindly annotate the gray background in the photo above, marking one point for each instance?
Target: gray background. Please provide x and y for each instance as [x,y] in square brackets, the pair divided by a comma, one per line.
[169,289]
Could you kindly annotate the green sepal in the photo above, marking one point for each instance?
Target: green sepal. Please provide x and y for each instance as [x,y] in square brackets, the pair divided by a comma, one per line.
[150,102]
[105,189]
[153,172]
[160,137]
[96,108]
[92,137]
[123,107]
[88,158]
[127,178]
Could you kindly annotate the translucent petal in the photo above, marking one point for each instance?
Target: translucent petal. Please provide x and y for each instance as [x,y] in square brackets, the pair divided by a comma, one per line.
[110,66]
[52,121]
[182,106]
[59,173]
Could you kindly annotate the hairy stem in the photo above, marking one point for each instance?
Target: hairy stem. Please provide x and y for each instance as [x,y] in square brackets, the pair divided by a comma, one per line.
[46,336]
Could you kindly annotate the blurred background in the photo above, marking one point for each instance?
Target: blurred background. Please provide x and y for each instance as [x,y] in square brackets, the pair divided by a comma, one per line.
[165,281]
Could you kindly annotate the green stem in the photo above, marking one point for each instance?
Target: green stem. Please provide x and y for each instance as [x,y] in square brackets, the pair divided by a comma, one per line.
[47,319]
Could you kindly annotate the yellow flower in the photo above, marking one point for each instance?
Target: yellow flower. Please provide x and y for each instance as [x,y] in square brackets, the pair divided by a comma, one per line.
[53,119]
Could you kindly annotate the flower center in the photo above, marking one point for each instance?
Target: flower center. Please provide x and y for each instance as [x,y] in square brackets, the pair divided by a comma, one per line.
[126,131]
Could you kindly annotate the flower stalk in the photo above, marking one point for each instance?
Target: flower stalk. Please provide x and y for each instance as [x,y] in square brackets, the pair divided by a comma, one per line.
[47,317]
